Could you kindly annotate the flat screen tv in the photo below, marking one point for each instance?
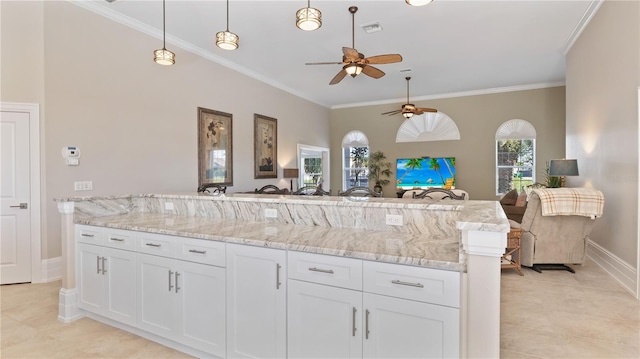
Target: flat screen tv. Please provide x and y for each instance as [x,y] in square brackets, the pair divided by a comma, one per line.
[426,172]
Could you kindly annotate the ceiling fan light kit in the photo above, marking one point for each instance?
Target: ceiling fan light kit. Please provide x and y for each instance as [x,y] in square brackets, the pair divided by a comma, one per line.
[418,2]
[308,19]
[353,69]
[227,40]
[164,56]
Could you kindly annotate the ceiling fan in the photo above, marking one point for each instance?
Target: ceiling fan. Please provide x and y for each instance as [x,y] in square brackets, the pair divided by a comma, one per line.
[409,109]
[355,62]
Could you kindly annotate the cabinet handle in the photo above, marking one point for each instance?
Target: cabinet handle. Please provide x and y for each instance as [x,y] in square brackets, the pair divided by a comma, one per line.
[278,266]
[314,269]
[366,324]
[177,287]
[353,321]
[153,245]
[104,259]
[116,239]
[86,235]
[98,264]
[419,285]
[170,285]
[197,251]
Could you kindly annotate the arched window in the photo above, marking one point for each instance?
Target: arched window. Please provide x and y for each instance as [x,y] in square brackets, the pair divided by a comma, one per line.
[515,156]
[355,154]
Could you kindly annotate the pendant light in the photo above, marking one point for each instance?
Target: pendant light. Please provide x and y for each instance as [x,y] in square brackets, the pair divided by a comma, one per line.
[164,56]
[417,2]
[227,40]
[308,18]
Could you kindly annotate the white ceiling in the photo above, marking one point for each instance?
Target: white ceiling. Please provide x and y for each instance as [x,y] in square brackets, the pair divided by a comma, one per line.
[451,46]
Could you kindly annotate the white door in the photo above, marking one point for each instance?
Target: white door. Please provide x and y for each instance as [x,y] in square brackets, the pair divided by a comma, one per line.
[156,298]
[324,322]
[256,302]
[15,225]
[201,302]
[399,328]
[120,280]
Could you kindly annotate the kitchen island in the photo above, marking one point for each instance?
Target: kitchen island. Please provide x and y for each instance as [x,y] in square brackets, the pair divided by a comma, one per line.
[460,240]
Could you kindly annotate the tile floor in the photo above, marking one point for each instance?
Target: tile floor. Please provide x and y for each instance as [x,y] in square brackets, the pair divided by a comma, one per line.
[555,314]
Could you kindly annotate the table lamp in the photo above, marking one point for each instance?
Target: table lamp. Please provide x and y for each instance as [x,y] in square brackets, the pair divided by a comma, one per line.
[290,173]
[562,168]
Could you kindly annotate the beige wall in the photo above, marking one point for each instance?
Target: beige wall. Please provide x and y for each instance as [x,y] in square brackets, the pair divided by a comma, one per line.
[603,77]
[133,120]
[477,118]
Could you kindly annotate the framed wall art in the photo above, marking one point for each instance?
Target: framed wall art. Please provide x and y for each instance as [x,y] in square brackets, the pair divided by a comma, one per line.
[215,157]
[265,134]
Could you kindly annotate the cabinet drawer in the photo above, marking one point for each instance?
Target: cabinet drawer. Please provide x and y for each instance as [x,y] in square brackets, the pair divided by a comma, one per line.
[90,234]
[201,251]
[121,239]
[324,269]
[416,283]
[157,244]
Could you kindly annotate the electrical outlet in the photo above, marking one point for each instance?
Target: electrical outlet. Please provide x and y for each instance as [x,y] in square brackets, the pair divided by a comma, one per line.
[271,213]
[77,186]
[168,206]
[87,185]
[394,220]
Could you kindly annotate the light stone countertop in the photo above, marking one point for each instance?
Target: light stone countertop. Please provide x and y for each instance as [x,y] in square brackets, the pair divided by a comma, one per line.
[401,248]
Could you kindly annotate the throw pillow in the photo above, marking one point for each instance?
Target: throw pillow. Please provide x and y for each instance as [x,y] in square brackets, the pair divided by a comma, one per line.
[510,198]
[522,200]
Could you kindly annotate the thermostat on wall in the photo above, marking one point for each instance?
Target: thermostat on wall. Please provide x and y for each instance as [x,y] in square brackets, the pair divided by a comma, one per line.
[71,154]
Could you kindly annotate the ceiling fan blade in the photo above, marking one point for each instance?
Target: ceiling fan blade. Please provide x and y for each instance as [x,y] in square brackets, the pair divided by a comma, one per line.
[391,113]
[337,78]
[372,72]
[350,54]
[383,59]
[422,109]
[323,63]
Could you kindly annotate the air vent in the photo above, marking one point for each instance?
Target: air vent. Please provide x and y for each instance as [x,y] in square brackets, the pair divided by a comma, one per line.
[406,71]
[373,27]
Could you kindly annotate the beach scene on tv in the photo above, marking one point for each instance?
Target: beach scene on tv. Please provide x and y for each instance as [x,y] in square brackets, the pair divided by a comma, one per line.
[428,172]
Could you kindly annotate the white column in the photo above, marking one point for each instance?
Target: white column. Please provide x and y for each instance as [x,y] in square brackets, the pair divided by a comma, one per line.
[67,298]
[482,310]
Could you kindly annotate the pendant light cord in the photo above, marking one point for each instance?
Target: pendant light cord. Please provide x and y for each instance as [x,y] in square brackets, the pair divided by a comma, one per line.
[227,15]
[164,46]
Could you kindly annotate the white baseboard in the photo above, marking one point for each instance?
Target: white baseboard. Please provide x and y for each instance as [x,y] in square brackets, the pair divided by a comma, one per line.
[51,269]
[620,270]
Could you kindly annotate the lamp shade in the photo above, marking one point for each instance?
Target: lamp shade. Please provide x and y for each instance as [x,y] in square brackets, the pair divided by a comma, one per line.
[563,168]
[290,173]
[417,2]
[308,19]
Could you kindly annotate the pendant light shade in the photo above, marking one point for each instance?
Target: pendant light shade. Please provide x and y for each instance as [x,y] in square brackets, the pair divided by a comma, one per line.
[353,69]
[407,114]
[164,56]
[227,40]
[417,2]
[308,18]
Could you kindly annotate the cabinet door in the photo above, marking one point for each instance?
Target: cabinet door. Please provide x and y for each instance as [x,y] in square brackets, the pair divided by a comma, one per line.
[90,279]
[256,302]
[156,297]
[201,303]
[120,276]
[324,321]
[400,328]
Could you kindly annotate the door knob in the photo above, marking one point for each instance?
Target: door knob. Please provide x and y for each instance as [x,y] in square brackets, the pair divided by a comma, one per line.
[21,206]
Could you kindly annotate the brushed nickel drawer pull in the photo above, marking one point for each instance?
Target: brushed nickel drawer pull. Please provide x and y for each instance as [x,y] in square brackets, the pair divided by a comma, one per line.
[366,324]
[314,269]
[116,239]
[419,285]
[278,266]
[177,287]
[153,245]
[353,322]
[197,251]
[98,264]
[87,235]
[170,285]
[104,259]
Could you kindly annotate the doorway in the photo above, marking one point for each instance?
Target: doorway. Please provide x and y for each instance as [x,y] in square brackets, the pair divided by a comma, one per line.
[20,193]
[313,162]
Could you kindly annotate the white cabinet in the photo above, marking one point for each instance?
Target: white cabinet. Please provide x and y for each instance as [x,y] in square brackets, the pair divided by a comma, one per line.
[256,302]
[182,301]
[106,282]
[400,328]
[323,321]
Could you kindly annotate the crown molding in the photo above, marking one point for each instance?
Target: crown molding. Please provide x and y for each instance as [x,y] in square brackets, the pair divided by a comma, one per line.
[582,24]
[455,94]
[187,46]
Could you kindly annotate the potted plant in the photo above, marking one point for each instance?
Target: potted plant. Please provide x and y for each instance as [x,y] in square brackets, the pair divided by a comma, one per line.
[379,170]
